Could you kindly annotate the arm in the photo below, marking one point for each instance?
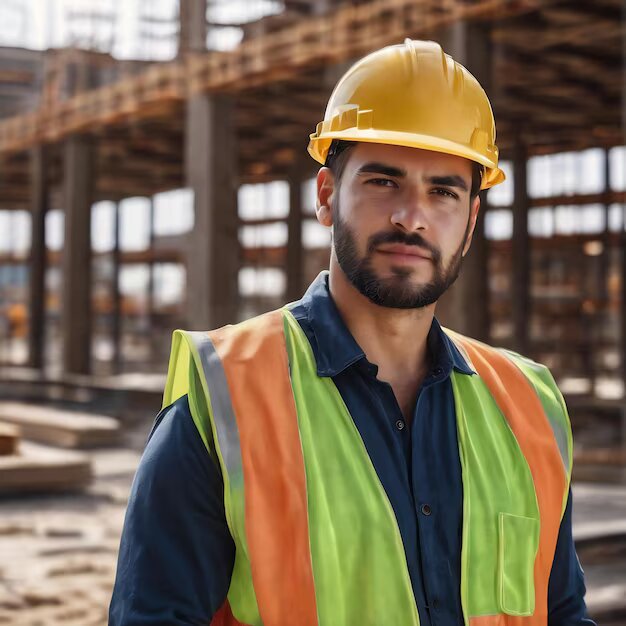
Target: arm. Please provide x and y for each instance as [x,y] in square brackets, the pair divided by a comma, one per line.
[176,554]
[566,588]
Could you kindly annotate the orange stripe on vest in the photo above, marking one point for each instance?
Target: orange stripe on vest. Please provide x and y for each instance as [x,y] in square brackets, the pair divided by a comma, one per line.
[532,431]
[276,515]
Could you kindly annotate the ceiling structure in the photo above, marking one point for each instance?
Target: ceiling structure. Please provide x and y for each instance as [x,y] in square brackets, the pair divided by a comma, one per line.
[557,84]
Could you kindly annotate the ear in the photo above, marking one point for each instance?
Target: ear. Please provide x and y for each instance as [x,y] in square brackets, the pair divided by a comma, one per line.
[325,192]
[474,208]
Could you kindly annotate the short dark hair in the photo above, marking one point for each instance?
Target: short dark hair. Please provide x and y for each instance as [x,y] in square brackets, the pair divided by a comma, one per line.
[340,150]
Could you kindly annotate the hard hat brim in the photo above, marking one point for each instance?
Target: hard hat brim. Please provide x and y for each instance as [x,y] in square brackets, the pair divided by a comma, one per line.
[319,146]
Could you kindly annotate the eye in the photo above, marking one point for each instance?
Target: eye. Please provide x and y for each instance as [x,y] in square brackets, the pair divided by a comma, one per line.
[440,191]
[381,182]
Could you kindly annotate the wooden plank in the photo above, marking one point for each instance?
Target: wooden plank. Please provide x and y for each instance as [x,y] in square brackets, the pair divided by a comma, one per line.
[577,34]
[16,76]
[39,469]
[610,197]
[9,439]
[601,456]
[66,429]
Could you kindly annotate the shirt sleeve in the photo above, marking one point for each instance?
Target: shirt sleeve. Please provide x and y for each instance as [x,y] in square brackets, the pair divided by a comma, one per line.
[176,553]
[566,588]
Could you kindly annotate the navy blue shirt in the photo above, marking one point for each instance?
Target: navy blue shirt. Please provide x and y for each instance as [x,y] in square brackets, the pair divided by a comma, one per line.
[176,554]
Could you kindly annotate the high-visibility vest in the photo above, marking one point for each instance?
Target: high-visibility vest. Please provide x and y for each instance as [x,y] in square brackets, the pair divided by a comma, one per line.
[316,538]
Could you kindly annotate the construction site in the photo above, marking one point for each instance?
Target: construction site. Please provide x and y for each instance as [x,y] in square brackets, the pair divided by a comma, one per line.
[154,176]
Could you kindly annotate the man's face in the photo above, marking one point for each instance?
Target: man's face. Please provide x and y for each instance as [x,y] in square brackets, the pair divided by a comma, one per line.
[401,222]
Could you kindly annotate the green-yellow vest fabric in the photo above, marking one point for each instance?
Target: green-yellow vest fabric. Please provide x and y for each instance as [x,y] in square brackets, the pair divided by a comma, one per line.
[317,542]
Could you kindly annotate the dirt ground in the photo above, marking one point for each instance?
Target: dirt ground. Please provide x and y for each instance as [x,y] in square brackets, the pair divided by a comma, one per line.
[59,552]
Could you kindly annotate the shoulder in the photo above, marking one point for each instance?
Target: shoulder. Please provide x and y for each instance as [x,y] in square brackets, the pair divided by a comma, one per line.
[246,340]
[477,352]
[173,440]
[473,348]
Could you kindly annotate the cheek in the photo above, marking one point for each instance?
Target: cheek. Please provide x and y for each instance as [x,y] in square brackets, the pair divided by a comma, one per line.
[450,235]
[363,215]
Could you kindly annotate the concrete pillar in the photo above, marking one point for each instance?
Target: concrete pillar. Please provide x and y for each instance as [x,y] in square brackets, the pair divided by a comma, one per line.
[192,27]
[623,306]
[464,307]
[321,7]
[37,265]
[605,257]
[76,263]
[520,252]
[623,249]
[116,297]
[295,256]
[151,248]
[601,317]
[211,170]
[154,337]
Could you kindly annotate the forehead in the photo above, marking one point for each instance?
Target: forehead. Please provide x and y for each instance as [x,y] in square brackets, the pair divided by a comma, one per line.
[413,160]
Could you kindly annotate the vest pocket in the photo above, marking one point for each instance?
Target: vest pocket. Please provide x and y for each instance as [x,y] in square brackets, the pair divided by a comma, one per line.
[518,541]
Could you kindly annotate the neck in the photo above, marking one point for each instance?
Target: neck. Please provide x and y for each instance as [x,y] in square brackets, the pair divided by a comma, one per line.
[394,339]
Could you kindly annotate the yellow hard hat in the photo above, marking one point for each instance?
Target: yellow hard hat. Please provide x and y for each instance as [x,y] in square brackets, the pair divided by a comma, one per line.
[414,95]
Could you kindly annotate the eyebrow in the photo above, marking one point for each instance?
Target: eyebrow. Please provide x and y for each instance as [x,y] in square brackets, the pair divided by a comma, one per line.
[452,180]
[448,181]
[381,168]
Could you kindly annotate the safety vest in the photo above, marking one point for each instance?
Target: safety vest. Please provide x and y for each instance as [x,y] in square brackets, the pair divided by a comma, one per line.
[316,538]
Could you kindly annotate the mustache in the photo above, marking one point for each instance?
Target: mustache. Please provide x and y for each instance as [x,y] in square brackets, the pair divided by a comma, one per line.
[408,239]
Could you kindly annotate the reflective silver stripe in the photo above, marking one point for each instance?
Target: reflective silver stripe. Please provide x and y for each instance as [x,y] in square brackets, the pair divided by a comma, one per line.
[561,440]
[221,405]
[549,396]
[555,418]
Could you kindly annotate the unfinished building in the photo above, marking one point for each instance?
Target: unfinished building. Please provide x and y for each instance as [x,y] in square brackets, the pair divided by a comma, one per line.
[82,132]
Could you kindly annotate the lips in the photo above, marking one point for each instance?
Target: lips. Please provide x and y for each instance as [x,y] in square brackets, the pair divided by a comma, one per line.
[405,251]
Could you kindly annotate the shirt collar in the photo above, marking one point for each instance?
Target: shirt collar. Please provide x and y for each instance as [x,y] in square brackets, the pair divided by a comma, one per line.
[335,349]
[455,356]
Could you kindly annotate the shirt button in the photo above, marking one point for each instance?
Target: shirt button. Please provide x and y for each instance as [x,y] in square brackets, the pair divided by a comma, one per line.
[400,425]
[437,371]
[426,510]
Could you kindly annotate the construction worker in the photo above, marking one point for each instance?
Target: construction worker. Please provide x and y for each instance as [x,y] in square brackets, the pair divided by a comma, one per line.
[345,460]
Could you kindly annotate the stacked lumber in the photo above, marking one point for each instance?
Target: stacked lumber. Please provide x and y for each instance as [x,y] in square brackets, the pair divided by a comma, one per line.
[66,429]
[26,466]
[37,468]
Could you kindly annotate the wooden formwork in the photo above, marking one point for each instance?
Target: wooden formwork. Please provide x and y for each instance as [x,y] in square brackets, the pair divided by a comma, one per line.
[278,56]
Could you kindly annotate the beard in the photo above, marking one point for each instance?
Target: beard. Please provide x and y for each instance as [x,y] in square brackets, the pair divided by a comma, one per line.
[396,291]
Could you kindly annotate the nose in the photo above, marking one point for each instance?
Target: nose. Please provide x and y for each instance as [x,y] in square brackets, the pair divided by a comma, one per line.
[409,216]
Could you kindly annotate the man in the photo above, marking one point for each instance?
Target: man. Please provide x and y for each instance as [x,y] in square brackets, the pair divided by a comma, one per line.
[346,461]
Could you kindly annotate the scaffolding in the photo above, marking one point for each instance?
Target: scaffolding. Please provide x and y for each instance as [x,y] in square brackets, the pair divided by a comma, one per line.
[212,120]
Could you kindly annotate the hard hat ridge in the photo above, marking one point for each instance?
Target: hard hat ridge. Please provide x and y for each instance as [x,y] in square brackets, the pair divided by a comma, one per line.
[412,94]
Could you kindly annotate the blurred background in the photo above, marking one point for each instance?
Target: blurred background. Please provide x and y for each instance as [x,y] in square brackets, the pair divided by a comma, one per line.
[154,175]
